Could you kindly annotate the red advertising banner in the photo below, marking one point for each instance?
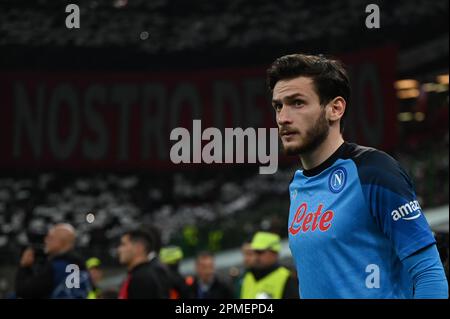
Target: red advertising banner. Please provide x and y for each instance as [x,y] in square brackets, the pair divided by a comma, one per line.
[123,120]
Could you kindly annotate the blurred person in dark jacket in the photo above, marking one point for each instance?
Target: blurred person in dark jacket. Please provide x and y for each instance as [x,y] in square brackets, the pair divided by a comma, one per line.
[147,278]
[63,275]
[171,256]
[206,284]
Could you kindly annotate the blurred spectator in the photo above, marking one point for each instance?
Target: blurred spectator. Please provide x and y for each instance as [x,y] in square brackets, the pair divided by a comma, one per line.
[109,293]
[206,284]
[249,255]
[96,274]
[179,26]
[155,232]
[249,259]
[144,280]
[51,279]
[171,256]
[267,279]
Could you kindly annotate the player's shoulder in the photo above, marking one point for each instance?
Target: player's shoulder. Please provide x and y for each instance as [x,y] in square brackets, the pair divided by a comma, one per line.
[364,156]
[296,176]
[374,164]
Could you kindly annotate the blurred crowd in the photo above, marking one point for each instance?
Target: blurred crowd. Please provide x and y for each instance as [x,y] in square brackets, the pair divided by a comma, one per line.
[184,205]
[177,26]
[152,271]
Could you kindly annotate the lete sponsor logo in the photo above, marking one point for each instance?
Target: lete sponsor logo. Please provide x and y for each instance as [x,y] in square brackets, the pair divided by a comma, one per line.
[304,221]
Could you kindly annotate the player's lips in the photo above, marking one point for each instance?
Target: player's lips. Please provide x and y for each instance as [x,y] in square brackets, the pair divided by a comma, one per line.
[287,134]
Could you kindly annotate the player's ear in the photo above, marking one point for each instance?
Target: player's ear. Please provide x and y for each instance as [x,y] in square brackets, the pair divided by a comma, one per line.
[336,108]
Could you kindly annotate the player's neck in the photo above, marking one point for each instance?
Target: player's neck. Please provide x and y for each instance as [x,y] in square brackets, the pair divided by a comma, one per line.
[323,152]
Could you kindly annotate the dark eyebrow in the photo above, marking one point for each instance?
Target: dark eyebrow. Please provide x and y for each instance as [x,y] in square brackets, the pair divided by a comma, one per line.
[290,97]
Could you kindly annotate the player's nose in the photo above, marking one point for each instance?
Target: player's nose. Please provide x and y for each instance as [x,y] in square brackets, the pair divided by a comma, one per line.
[283,117]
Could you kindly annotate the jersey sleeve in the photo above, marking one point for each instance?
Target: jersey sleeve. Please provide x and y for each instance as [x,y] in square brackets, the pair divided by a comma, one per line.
[392,201]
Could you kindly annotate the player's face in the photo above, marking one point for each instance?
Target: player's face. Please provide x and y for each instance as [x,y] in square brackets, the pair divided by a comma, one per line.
[126,250]
[301,120]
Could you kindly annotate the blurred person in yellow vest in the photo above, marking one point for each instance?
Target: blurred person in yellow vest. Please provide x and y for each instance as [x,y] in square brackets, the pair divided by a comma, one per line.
[96,274]
[172,256]
[267,279]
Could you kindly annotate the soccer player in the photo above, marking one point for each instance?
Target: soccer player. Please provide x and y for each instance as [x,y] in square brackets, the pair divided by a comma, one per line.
[356,229]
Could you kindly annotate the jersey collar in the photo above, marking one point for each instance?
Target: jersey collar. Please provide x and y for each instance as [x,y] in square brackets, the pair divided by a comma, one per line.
[327,163]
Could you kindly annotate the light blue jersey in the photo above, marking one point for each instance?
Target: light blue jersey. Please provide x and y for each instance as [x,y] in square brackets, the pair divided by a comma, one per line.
[352,221]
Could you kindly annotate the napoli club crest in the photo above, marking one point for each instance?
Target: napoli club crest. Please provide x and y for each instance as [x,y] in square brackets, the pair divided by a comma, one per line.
[337,179]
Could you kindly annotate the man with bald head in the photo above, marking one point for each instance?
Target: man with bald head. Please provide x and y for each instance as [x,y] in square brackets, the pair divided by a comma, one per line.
[64,274]
[60,239]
